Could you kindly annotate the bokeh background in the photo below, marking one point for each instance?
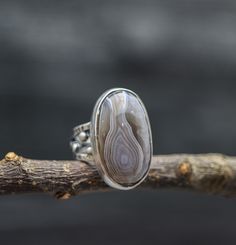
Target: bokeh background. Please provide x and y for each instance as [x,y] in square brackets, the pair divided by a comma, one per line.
[57,57]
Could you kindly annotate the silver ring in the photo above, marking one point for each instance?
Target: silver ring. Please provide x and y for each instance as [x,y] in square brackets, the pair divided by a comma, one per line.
[118,140]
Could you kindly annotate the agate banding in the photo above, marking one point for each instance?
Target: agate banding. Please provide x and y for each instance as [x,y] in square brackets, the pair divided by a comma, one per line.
[121,138]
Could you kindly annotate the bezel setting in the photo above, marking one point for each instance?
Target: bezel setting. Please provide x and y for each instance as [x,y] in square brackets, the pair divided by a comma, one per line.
[94,127]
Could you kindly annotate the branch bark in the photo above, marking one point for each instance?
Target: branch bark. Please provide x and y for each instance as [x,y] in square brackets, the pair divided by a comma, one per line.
[211,173]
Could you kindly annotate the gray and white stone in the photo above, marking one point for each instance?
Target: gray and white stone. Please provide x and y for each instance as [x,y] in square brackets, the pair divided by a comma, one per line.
[123,141]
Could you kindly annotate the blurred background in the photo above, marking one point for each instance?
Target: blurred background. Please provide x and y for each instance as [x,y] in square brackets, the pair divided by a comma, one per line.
[57,57]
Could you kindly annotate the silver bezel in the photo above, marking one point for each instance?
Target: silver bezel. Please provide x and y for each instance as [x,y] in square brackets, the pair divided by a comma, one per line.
[94,139]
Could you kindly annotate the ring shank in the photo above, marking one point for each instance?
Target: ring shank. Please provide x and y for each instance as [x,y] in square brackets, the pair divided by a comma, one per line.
[81,143]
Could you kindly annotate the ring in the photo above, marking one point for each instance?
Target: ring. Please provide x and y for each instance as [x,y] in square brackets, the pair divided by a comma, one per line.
[118,140]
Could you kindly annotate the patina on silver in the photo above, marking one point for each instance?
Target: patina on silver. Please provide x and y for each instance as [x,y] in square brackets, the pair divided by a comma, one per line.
[118,140]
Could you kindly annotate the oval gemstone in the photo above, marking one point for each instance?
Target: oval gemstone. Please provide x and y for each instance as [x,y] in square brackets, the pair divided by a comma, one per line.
[121,138]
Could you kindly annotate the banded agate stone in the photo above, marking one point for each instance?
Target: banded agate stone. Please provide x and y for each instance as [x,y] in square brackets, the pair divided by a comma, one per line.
[121,138]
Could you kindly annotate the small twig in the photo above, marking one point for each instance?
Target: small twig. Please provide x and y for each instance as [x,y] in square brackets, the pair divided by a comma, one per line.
[211,173]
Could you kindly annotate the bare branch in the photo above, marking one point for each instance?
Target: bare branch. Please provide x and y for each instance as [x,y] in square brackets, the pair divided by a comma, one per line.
[211,173]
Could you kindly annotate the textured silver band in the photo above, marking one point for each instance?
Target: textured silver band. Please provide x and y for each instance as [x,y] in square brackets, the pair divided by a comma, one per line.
[81,143]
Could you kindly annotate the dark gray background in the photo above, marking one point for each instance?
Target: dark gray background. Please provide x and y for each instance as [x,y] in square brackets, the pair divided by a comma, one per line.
[57,57]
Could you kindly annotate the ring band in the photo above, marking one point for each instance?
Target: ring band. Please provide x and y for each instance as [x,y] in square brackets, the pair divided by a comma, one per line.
[118,139]
[81,143]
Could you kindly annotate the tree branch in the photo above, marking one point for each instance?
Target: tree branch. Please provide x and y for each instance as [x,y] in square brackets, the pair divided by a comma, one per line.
[211,173]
